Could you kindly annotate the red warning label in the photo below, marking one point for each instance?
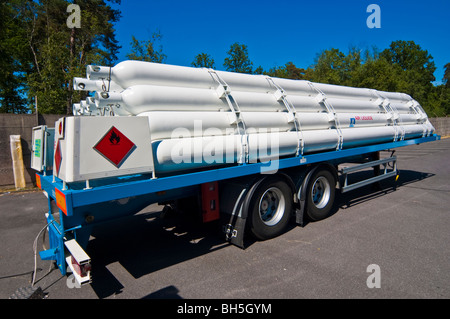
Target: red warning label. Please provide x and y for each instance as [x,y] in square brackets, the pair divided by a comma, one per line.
[115,147]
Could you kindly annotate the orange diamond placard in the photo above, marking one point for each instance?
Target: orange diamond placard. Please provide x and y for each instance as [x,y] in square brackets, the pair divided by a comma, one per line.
[115,147]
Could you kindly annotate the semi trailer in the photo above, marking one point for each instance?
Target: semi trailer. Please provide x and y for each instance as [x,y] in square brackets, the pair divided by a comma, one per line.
[252,151]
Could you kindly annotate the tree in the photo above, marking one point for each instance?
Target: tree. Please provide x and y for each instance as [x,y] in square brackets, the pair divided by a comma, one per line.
[145,50]
[13,53]
[47,54]
[334,67]
[378,74]
[417,65]
[439,99]
[238,60]
[352,64]
[446,78]
[329,67]
[93,43]
[410,56]
[203,60]
[288,71]
[259,70]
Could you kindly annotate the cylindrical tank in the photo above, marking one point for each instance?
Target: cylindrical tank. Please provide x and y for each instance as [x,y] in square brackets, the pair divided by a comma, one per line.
[132,73]
[143,98]
[202,118]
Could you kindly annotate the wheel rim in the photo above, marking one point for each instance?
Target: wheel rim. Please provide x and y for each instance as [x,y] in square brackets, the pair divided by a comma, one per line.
[272,206]
[321,192]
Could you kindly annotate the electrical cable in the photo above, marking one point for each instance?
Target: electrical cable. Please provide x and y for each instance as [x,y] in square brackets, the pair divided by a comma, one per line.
[35,252]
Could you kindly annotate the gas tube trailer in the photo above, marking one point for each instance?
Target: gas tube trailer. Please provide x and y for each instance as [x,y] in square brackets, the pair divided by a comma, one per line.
[254,152]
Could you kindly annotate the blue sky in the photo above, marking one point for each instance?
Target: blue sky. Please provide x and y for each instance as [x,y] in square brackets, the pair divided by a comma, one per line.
[279,31]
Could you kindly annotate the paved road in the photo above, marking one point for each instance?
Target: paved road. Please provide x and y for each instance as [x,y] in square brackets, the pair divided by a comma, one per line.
[405,232]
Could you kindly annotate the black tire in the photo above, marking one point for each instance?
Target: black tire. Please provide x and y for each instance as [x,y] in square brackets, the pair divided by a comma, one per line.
[270,209]
[321,194]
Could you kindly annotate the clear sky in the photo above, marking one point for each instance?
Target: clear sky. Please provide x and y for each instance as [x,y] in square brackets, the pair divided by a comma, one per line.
[279,31]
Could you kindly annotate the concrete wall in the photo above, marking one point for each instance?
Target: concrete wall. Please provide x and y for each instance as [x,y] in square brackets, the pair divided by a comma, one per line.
[442,125]
[22,124]
[19,124]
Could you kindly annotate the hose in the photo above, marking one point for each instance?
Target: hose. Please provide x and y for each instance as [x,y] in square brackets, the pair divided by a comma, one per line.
[35,252]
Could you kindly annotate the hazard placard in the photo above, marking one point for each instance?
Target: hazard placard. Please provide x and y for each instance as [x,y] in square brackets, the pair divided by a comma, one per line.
[115,147]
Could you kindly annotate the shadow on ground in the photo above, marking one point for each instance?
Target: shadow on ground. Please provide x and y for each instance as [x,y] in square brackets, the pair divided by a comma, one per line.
[145,243]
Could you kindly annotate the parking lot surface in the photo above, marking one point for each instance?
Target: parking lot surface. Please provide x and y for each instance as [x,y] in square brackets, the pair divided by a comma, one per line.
[381,243]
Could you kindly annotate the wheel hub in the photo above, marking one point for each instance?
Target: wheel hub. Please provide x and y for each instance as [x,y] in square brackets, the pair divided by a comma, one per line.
[321,191]
[272,206]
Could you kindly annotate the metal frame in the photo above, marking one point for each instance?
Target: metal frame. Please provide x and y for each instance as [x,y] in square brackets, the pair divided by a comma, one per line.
[224,92]
[386,174]
[56,235]
[323,99]
[71,225]
[281,96]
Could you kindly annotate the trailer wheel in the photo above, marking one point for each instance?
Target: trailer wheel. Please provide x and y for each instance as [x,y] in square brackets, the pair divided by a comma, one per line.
[270,209]
[321,194]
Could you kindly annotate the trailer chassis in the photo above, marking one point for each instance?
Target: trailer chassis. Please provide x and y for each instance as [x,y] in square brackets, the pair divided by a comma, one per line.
[74,210]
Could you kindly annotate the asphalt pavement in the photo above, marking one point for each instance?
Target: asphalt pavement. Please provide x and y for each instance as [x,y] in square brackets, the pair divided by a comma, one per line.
[380,244]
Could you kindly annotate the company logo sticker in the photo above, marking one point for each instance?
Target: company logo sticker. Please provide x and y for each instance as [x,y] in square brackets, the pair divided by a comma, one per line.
[360,118]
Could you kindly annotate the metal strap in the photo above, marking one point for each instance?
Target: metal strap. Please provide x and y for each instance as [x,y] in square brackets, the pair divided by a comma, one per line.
[392,113]
[224,92]
[280,95]
[109,81]
[419,112]
[322,98]
[398,122]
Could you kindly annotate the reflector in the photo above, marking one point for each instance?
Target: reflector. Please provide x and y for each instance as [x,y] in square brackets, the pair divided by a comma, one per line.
[61,201]
[38,181]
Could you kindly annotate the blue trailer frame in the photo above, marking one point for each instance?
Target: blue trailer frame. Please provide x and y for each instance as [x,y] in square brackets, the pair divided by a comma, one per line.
[80,209]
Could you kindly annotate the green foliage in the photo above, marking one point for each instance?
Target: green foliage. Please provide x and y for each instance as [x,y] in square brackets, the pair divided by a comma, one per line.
[410,57]
[334,67]
[288,71]
[403,67]
[438,101]
[45,55]
[203,60]
[377,74]
[259,70]
[12,54]
[446,78]
[145,50]
[417,68]
[329,67]
[238,60]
